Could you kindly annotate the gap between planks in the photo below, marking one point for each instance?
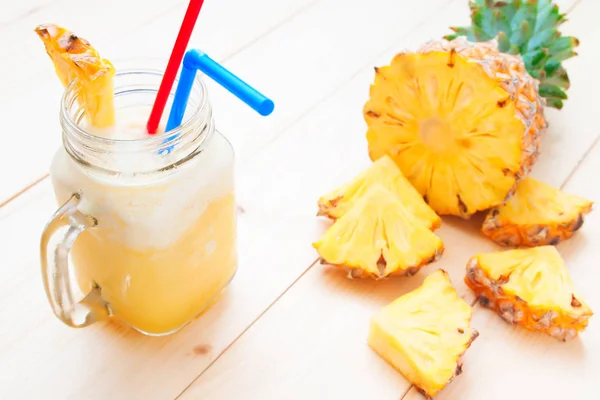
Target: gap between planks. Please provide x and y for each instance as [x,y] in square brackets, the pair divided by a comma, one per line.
[248,327]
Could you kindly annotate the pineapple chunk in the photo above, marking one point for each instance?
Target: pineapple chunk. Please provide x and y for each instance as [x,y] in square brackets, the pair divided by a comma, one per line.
[423,334]
[536,215]
[529,287]
[336,203]
[74,58]
[462,120]
[378,237]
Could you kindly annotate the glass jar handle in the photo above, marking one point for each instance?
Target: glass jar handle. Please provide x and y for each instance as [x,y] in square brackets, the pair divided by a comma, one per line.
[57,239]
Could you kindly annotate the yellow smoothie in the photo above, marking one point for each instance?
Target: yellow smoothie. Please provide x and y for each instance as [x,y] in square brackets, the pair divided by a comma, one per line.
[164,246]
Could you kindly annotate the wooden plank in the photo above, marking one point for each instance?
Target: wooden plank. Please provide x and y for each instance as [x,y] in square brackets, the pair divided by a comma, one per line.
[58,358]
[275,349]
[120,30]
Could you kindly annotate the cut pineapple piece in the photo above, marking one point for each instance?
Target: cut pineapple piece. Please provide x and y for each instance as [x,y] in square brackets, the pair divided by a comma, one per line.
[536,215]
[74,58]
[423,334]
[378,237]
[386,172]
[529,287]
[462,121]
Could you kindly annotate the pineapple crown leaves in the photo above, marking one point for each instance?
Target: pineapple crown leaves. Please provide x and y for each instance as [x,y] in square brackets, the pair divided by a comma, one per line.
[528,28]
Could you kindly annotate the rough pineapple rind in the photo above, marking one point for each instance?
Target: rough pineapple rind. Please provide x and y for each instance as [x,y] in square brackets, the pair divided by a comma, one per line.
[336,203]
[520,91]
[547,301]
[75,58]
[424,333]
[536,215]
[379,237]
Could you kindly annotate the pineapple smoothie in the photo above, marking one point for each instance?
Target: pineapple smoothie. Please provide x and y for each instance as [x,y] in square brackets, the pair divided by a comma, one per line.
[164,247]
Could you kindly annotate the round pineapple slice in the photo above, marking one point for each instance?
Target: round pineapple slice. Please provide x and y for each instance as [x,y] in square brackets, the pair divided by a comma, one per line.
[530,287]
[536,215]
[462,121]
[384,171]
[379,237]
[75,58]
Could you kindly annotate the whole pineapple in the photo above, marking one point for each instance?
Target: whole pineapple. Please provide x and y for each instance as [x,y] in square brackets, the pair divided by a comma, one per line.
[528,28]
[462,120]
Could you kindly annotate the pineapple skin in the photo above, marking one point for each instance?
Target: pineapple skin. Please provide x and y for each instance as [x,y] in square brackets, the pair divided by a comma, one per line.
[569,213]
[385,344]
[554,322]
[509,72]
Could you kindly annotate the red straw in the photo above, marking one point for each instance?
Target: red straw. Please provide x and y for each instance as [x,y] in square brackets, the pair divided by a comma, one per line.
[187,26]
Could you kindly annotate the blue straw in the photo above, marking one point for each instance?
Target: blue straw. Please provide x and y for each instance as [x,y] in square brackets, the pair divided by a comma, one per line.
[195,60]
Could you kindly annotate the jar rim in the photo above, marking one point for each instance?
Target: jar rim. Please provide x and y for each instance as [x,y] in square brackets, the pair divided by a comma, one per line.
[158,138]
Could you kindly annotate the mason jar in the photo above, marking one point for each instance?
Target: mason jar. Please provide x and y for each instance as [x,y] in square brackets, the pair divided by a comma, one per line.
[146,230]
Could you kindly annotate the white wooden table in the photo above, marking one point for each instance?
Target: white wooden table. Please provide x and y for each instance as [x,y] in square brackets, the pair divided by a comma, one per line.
[287,327]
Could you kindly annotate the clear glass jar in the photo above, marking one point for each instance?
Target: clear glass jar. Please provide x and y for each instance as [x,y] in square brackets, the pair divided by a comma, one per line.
[147,230]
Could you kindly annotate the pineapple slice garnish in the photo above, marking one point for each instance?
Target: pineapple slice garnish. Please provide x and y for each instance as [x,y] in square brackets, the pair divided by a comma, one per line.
[424,333]
[74,58]
[462,121]
[536,215]
[379,237]
[384,171]
[530,287]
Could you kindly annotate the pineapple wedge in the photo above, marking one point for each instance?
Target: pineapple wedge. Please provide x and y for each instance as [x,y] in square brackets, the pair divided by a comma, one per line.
[379,237]
[74,58]
[336,203]
[529,287]
[536,215]
[423,334]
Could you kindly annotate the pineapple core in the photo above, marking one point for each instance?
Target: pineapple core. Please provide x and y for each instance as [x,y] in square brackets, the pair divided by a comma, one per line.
[530,287]
[460,119]
[536,215]
[74,58]
[423,334]
[378,237]
[384,171]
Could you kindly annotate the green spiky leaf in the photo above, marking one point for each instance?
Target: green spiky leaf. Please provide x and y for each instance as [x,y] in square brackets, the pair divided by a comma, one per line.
[529,28]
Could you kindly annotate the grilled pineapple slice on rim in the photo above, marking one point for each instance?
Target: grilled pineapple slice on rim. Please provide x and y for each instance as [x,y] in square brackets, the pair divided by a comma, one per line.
[75,58]
[384,171]
[530,287]
[536,215]
[379,237]
[462,121]
[423,333]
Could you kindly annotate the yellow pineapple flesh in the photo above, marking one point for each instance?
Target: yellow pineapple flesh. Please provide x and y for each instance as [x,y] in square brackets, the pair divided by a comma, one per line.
[424,333]
[75,58]
[530,287]
[384,171]
[379,237]
[536,215]
[462,121]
